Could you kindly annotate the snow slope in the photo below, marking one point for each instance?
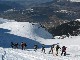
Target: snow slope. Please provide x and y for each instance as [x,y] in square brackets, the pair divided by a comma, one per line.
[26,29]
[73,51]
[19,32]
[5,20]
[32,33]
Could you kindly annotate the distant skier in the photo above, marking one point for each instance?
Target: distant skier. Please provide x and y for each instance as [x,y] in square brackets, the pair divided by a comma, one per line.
[51,50]
[57,48]
[23,45]
[35,47]
[16,45]
[43,48]
[63,51]
[12,44]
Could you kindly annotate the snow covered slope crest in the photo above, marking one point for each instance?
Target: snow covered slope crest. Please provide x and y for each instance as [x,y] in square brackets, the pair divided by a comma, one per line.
[22,32]
[5,20]
[26,29]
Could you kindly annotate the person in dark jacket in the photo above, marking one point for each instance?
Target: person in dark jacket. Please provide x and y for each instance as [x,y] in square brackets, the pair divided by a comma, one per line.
[12,44]
[25,45]
[35,47]
[43,48]
[63,51]
[22,45]
[57,48]
[51,50]
[16,45]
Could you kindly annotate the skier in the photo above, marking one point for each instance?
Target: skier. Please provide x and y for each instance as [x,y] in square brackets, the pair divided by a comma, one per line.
[63,50]
[25,45]
[43,48]
[16,45]
[57,48]
[51,50]
[22,45]
[12,44]
[35,47]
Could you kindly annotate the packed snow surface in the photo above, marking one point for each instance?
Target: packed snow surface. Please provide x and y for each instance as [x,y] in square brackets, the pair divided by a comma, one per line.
[32,33]
[73,52]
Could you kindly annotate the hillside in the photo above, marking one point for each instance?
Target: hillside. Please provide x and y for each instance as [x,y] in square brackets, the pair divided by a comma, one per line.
[32,33]
[6,5]
[22,31]
[49,14]
[21,4]
[70,28]
[38,22]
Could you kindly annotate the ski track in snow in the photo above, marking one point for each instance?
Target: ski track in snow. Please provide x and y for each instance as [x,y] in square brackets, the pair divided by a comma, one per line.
[18,54]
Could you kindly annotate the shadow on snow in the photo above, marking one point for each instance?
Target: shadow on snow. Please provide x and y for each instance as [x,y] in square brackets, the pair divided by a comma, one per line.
[6,39]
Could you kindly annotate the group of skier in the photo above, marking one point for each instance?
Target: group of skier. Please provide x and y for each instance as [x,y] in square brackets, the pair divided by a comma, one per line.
[16,45]
[36,47]
[54,46]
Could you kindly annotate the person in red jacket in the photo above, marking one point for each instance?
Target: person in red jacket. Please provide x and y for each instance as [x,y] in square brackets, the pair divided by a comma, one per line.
[63,51]
[23,45]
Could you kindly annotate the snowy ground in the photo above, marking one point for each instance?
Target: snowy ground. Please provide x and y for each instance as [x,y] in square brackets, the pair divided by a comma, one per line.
[17,54]
[31,34]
